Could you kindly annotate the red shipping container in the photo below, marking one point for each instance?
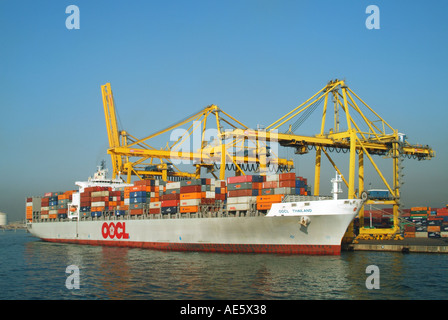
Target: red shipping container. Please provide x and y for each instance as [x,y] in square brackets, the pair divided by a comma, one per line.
[244,193]
[190,189]
[143,183]
[287,184]
[85,203]
[98,199]
[135,211]
[239,179]
[170,203]
[221,196]
[231,194]
[257,185]
[154,211]
[172,196]
[287,176]
[270,185]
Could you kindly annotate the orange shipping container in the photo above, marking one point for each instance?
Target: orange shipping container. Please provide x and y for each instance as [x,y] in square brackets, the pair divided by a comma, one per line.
[264,206]
[137,188]
[52,216]
[273,198]
[433,228]
[420,208]
[193,195]
[186,209]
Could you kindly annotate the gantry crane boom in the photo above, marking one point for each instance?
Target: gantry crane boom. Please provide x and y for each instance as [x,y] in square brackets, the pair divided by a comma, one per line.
[207,155]
[111,124]
[361,137]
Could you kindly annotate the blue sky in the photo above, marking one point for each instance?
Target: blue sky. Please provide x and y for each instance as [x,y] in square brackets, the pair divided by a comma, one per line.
[256,59]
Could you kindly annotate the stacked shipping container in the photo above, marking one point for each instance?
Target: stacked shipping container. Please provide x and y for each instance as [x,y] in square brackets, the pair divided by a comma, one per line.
[188,196]
[426,223]
[33,208]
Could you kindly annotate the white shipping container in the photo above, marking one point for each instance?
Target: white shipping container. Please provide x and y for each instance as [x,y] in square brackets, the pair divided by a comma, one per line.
[444,234]
[421,234]
[210,194]
[173,185]
[284,190]
[247,200]
[99,204]
[232,200]
[238,207]
[190,202]
[126,201]
[218,183]
[44,216]
[99,194]
[272,177]
[45,208]
[155,204]
[29,204]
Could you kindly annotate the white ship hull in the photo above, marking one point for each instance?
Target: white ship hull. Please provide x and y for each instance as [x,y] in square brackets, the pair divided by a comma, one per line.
[313,227]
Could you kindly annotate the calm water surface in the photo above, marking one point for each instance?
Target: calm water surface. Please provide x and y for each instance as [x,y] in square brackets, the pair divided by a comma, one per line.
[32,269]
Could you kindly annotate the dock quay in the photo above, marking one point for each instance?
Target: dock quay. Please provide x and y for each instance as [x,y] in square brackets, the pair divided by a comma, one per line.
[407,245]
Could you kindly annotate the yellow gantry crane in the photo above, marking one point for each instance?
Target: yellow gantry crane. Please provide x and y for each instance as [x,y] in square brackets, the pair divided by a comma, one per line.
[132,156]
[357,130]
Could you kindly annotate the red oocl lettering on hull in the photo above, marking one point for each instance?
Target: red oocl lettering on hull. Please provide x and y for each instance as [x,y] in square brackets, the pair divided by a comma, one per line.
[114,230]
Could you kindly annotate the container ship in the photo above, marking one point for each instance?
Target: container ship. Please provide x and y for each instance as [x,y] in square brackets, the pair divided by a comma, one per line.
[242,214]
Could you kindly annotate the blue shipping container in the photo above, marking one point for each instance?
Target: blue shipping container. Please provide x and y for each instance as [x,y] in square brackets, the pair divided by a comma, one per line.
[379,194]
[120,212]
[300,184]
[137,194]
[257,178]
[139,200]
[166,210]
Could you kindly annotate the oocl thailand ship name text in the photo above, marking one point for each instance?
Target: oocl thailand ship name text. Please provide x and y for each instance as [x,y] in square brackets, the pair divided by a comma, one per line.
[114,230]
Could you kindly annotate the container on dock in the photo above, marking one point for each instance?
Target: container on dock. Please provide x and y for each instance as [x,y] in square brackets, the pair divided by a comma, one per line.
[434,234]
[421,234]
